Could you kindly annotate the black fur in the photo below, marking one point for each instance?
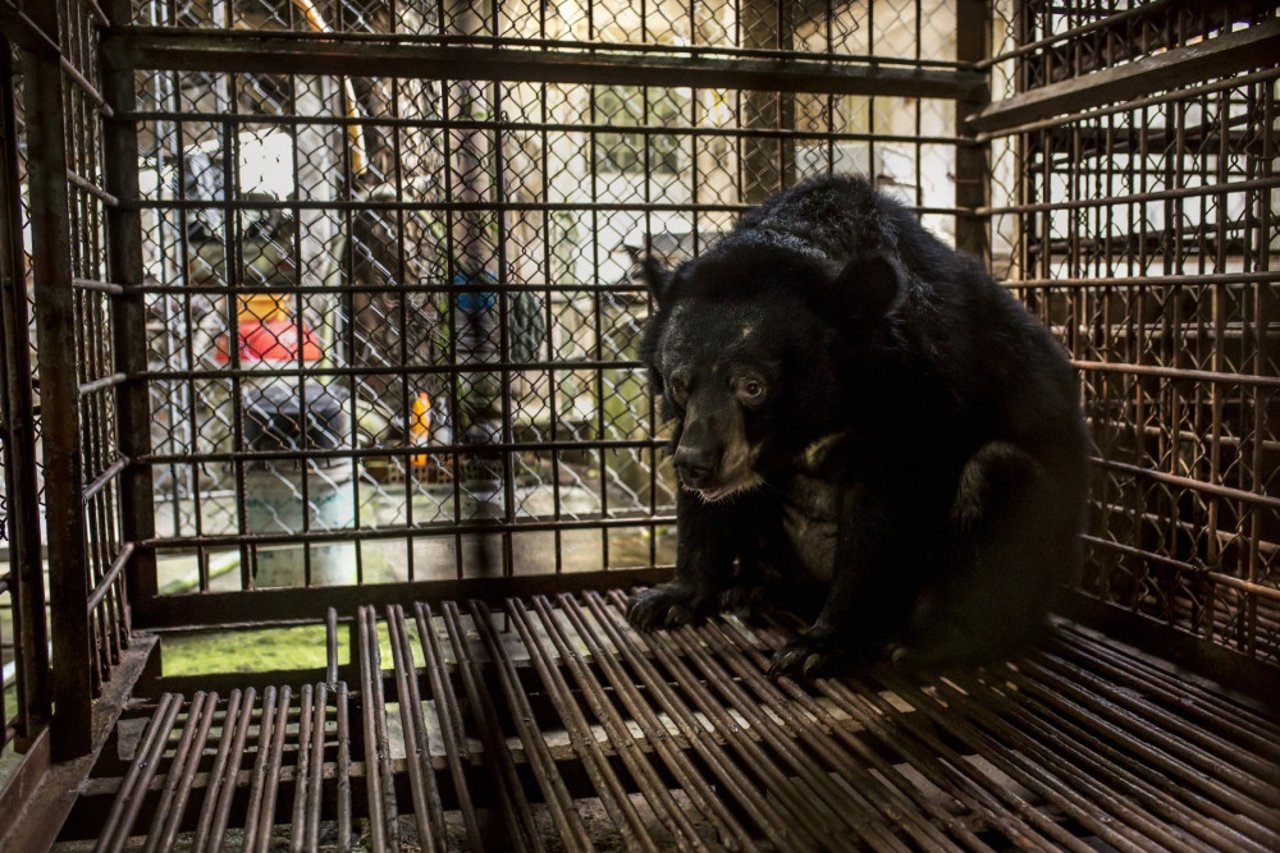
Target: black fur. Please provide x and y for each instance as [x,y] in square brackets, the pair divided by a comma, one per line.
[870,413]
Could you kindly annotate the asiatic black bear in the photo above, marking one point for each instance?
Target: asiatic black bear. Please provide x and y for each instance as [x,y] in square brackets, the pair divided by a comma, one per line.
[861,409]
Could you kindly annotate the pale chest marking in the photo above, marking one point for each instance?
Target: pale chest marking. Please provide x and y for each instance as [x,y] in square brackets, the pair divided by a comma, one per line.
[810,504]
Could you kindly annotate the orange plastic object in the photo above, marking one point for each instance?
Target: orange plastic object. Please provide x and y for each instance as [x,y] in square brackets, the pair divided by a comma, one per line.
[275,341]
[420,426]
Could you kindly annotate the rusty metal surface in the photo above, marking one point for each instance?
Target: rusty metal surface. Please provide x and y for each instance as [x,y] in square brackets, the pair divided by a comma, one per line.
[547,723]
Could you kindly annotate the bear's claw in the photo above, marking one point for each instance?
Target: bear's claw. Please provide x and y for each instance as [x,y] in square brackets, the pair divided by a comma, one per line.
[808,656]
[662,607]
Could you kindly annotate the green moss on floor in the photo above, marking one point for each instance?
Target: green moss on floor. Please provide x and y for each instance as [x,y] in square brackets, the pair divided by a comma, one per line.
[253,650]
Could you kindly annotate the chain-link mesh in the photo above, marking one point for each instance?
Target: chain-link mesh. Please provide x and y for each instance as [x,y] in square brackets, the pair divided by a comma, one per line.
[394,320]
[1143,234]
[893,31]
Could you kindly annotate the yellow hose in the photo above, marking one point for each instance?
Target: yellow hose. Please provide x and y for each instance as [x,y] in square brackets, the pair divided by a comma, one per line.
[355,132]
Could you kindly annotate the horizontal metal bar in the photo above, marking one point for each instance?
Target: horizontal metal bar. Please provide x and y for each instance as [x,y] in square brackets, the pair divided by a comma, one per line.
[141,48]
[337,371]
[466,206]
[1136,198]
[92,189]
[535,126]
[98,286]
[1134,280]
[1179,373]
[219,608]
[1225,54]
[565,45]
[493,527]
[1217,577]
[1254,498]
[100,590]
[634,291]
[403,450]
[100,482]
[1185,94]
[105,382]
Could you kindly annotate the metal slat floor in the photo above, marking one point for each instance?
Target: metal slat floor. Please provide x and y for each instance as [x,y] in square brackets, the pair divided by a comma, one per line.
[552,725]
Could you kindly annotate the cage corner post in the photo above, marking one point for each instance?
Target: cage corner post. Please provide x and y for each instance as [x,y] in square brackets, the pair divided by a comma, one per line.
[67,545]
[21,483]
[973,176]
[124,236]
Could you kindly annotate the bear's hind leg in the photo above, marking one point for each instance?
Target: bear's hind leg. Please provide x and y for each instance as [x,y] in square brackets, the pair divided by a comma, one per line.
[1012,541]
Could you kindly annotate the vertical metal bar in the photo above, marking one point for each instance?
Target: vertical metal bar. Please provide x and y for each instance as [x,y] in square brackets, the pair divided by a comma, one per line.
[22,490]
[129,331]
[235,727]
[271,784]
[452,730]
[60,415]
[167,816]
[973,178]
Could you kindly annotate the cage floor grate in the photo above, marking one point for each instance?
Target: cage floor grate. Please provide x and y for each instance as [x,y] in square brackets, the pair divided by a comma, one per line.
[550,724]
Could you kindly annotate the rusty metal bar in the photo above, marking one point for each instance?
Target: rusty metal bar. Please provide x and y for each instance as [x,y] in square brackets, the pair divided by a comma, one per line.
[774,821]
[697,788]
[846,802]
[18,414]
[300,817]
[55,316]
[266,815]
[427,810]
[225,767]
[271,53]
[331,645]
[239,608]
[449,715]
[271,699]
[475,39]
[1164,789]
[181,772]
[654,791]
[1176,67]
[124,811]
[522,833]
[565,816]
[903,796]
[344,769]
[380,789]
[314,803]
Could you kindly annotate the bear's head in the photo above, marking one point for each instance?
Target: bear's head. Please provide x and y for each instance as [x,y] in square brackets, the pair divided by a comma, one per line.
[752,350]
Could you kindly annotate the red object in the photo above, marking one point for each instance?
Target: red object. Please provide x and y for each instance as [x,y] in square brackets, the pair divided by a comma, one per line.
[271,341]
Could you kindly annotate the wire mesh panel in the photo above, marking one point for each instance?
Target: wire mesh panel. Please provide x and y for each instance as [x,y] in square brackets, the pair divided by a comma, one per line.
[76,380]
[902,31]
[392,324]
[1143,232]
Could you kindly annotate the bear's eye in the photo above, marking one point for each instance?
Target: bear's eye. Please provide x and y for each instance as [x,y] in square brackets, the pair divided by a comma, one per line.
[679,384]
[751,389]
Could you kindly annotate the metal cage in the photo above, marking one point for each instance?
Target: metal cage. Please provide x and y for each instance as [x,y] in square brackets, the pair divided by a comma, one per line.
[314,307]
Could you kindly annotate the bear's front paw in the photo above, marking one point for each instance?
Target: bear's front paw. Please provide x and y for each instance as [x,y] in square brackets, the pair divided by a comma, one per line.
[667,605]
[810,655]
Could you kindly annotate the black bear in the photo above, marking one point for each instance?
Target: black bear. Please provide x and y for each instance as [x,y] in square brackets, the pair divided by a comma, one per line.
[862,410]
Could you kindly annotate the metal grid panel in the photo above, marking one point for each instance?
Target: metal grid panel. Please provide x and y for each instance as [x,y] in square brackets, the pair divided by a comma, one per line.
[549,722]
[58,204]
[905,31]
[471,241]
[1143,233]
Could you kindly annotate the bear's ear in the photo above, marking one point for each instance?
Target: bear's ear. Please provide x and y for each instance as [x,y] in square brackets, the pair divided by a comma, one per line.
[870,286]
[656,277]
